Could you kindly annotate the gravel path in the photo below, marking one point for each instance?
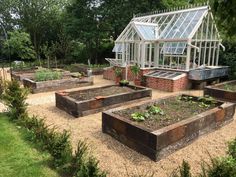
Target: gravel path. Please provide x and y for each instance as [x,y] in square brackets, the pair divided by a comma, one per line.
[116,158]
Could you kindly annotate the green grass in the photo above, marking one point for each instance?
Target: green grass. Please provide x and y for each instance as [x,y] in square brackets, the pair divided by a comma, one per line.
[18,157]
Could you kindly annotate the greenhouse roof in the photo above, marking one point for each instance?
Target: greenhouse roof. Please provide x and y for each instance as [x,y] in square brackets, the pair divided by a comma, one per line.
[175,25]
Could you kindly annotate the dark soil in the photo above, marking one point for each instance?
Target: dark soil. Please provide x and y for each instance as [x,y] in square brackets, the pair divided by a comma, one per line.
[174,109]
[103,92]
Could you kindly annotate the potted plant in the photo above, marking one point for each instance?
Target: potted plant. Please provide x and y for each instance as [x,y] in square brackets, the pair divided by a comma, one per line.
[118,73]
[135,70]
[124,82]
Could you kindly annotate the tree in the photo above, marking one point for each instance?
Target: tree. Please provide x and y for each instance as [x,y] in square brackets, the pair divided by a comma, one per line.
[83,23]
[40,18]
[226,16]
[19,45]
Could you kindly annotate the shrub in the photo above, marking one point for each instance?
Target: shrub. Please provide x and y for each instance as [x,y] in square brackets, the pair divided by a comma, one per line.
[85,165]
[118,72]
[223,167]
[45,75]
[14,97]
[90,169]
[232,148]
[183,170]
[218,167]
[57,144]
[2,87]
[135,70]
[20,45]
[60,148]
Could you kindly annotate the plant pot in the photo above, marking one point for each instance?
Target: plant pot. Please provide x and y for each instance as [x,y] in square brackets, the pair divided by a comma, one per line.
[118,79]
[137,82]
[123,84]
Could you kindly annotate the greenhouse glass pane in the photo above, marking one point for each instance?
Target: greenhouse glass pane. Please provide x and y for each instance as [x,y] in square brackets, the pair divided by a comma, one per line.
[182,24]
[117,48]
[174,48]
[147,31]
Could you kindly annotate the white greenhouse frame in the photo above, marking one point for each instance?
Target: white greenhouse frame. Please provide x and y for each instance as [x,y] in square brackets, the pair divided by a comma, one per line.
[178,40]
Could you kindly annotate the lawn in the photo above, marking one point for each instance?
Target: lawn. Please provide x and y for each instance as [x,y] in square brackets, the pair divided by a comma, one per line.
[18,157]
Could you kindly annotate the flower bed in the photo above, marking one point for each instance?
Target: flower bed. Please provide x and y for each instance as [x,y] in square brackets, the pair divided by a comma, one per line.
[224,91]
[89,101]
[61,84]
[158,127]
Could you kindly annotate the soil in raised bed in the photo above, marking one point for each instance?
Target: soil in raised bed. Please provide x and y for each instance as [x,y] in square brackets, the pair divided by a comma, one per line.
[174,110]
[228,87]
[103,92]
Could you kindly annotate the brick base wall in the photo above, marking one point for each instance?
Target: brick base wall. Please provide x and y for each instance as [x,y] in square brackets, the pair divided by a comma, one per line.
[169,85]
[109,73]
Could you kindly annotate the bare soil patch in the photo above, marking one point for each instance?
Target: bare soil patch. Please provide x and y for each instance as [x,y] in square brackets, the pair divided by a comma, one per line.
[174,110]
[90,94]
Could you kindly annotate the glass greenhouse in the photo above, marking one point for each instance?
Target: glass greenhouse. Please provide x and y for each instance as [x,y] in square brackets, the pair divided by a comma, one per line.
[180,40]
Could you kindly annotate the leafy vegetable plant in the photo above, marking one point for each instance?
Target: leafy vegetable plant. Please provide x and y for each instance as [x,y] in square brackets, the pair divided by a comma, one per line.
[138,116]
[155,110]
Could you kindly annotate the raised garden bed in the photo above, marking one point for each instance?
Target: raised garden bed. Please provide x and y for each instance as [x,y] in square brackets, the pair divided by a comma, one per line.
[89,101]
[224,91]
[82,68]
[61,84]
[158,127]
[19,75]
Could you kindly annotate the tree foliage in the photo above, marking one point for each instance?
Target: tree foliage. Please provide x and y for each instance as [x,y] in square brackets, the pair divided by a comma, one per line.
[19,45]
[226,17]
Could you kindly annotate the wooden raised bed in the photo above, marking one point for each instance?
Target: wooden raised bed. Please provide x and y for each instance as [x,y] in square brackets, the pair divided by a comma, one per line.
[82,68]
[89,101]
[20,75]
[29,74]
[222,91]
[52,85]
[159,142]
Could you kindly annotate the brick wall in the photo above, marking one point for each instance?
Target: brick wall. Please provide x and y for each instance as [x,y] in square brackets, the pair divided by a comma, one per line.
[156,83]
[109,73]
[167,84]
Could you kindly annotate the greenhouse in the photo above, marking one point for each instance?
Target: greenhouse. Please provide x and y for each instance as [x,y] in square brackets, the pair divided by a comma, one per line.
[179,40]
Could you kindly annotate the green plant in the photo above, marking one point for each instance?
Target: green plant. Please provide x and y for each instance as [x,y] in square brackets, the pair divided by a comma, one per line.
[15,98]
[138,116]
[20,45]
[124,82]
[90,169]
[219,167]
[232,148]
[155,110]
[84,165]
[80,155]
[183,170]
[57,144]
[45,75]
[118,72]
[2,87]
[206,101]
[135,69]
